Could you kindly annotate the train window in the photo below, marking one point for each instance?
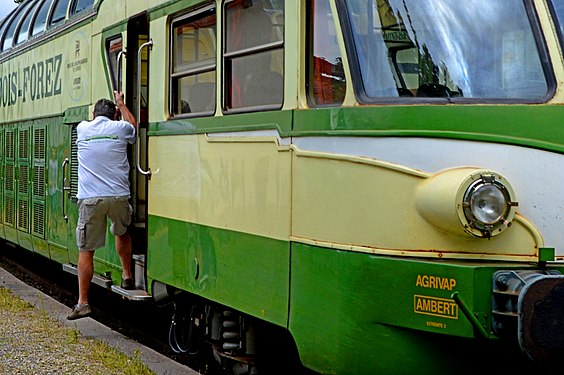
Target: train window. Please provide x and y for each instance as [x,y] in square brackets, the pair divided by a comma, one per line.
[59,13]
[193,81]
[113,47]
[41,18]
[11,30]
[326,77]
[81,5]
[3,28]
[412,48]
[24,28]
[253,55]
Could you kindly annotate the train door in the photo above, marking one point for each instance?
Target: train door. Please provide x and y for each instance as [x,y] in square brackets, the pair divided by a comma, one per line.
[136,82]
[132,63]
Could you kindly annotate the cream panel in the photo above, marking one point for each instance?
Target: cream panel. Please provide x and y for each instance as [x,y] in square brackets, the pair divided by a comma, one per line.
[110,12]
[48,79]
[236,184]
[158,71]
[334,201]
[137,6]
[364,205]
[102,87]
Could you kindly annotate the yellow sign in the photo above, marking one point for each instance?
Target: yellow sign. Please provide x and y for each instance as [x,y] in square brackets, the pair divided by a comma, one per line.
[443,307]
[435,282]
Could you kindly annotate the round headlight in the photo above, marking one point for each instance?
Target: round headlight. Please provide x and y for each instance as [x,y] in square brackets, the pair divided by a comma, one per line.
[488,205]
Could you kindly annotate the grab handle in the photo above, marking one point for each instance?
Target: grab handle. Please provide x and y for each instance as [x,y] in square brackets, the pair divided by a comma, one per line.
[120,57]
[139,61]
[65,187]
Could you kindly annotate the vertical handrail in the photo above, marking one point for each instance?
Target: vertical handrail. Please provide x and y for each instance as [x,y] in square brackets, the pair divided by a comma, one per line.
[65,188]
[139,61]
[120,56]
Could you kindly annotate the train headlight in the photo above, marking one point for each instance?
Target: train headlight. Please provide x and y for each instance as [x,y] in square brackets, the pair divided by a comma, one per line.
[467,200]
[487,204]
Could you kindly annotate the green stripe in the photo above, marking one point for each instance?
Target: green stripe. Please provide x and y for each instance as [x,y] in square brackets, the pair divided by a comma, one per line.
[538,126]
[246,272]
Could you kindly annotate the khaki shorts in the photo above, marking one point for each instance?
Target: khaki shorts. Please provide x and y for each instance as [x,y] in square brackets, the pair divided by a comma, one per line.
[92,220]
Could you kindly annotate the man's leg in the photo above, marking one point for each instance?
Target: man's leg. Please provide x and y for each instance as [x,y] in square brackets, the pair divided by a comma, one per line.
[85,273]
[124,248]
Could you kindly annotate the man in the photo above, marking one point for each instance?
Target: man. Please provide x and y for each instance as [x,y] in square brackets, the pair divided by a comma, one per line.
[103,192]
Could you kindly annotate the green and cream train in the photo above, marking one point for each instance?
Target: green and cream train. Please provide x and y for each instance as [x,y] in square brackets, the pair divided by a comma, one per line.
[343,186]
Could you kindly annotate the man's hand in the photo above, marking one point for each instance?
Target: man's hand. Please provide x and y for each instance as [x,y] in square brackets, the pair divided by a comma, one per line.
[121,107]
[118,96]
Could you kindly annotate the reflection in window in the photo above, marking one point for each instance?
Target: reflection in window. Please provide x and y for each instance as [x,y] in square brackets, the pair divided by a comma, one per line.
[194,64]
[326,77]
[3,27]
[24,28]
[113,48]
[59,12]
[81,5]
[253,55]
[9,37]
[442,48]
[41,18]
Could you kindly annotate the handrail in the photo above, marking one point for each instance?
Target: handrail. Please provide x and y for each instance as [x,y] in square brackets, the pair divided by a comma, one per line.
[139,61]
[120,55]
[64,167]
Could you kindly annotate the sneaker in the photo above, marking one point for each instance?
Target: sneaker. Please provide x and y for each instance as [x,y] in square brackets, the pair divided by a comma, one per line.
[79,311]
[127,284]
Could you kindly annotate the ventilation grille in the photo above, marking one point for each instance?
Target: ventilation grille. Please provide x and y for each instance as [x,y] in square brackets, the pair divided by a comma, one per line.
[9,211]
[23,216]
[10,144]
[24,147]
[9,177]
[74,164]
[39,141]
[24,180]
[38,218]
[38,181]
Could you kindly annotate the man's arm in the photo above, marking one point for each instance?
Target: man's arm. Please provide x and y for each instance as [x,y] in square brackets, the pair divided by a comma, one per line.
[126,114]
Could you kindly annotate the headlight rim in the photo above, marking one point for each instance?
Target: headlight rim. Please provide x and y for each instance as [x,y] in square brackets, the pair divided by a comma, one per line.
[468,189]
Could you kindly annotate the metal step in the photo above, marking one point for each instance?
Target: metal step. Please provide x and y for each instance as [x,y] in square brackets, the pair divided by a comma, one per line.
[133,294]
[104,282]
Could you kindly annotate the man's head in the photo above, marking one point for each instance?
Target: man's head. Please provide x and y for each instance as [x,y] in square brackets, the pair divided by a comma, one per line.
[105,107]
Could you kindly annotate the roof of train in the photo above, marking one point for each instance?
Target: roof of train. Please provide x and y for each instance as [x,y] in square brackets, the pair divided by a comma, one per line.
[32,18]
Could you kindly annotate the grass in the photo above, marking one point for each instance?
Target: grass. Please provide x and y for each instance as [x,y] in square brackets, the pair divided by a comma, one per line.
[46,334]
[10,303]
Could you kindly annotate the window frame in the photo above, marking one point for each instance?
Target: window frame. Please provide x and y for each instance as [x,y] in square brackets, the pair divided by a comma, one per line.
[363,98]
[194,68]
[228,57]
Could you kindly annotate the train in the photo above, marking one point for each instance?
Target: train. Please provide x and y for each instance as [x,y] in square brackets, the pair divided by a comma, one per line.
[318,186]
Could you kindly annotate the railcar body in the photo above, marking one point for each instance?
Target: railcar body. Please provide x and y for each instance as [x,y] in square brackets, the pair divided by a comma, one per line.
[371,185]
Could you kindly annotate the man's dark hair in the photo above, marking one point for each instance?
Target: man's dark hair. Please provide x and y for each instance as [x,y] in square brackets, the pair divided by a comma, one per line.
[105,107]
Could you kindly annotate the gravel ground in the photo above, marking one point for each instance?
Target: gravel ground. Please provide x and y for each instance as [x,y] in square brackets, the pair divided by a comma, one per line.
[36,339]
[33,342]
[25,338]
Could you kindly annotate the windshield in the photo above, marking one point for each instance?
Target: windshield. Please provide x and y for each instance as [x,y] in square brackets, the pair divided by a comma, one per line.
[471,49]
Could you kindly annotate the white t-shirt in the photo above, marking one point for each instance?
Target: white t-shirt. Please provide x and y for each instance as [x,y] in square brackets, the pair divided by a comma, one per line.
[103,168]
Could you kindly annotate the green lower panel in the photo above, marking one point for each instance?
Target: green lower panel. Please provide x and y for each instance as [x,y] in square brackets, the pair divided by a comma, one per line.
[59,254]
[355,313]
[40,246]
[246,272]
